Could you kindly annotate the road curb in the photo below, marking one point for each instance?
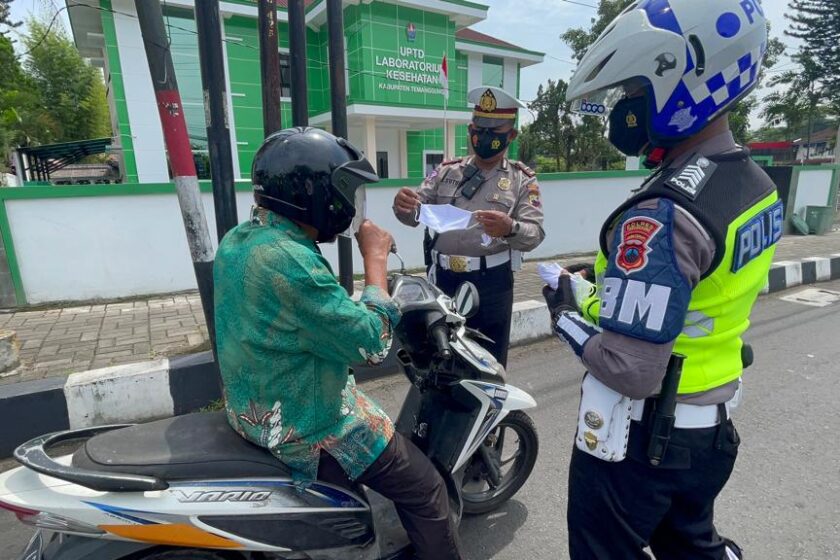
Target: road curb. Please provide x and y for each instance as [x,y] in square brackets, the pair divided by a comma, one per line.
[165,387]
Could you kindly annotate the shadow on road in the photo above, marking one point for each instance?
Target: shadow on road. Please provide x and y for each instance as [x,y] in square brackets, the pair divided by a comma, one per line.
[484,536]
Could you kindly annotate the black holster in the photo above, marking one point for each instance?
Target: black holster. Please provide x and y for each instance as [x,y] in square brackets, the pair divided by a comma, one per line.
[428,246]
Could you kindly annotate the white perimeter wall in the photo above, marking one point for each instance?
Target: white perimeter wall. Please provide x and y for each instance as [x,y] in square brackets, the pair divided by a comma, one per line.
[83,248]
[812,189]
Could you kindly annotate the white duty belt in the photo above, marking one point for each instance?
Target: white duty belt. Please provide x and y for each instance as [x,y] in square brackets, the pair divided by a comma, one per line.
[692,416]
[605,415]
[455,263]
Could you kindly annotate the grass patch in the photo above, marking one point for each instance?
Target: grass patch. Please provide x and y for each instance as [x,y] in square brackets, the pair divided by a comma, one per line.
[215,406]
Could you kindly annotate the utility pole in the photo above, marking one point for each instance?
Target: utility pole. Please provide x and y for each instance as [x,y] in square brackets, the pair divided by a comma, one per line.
[211,59]
[810,122]
[269,65]
[338,99]
[174,127]
[297,57]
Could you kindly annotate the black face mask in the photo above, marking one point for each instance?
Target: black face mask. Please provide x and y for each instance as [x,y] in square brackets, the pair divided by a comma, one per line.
[628,128]
[487,143]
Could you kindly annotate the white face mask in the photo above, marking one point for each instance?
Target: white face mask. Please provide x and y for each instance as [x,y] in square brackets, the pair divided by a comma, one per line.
[360,204]
[444,217]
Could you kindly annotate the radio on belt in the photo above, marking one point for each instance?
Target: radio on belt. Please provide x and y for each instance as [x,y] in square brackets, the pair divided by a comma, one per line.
[664,412]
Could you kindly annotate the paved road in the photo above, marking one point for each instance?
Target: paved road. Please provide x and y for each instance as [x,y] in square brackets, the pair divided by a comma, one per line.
[783,501]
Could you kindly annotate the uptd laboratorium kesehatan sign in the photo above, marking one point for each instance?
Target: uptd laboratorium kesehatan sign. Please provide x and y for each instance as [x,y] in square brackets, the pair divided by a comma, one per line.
[400,51]
[411,67]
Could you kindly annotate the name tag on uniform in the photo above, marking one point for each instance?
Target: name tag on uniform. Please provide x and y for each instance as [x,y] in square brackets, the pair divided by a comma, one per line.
[757,235]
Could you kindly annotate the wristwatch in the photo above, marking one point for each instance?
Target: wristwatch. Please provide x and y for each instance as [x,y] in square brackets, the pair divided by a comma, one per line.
[514,229]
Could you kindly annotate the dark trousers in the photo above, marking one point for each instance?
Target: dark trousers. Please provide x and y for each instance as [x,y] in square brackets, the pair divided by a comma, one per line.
[495,304]
[407,477]
[616,509]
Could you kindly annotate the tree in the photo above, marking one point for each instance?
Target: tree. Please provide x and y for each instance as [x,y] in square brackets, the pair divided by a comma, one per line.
[579,39]
[553,128]
[571,141]
[739,117]
[528,146]
[6,17]
[23,118]
[817,24]
[72,90]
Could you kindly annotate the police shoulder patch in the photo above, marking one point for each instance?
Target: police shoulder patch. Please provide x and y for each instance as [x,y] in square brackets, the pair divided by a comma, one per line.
[644,294]
[693,176]
[524,168]
[637,232]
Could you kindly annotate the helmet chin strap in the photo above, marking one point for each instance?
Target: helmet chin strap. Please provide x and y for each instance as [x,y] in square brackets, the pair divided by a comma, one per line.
[654,157]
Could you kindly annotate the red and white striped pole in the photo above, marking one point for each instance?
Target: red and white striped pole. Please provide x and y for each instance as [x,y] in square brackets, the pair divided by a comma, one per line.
[181,160]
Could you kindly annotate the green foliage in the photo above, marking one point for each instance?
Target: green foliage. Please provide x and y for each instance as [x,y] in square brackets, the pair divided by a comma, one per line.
[817,24]
[23,119]
[579,39]
[571,142]
[564,141]
[6,18]
[808,93]
[72,90]
[52,96]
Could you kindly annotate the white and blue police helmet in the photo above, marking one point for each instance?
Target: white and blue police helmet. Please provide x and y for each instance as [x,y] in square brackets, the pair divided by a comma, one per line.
[692,59]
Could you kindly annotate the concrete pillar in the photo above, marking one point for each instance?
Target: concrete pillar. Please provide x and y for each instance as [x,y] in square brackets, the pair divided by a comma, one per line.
[370,140]
[403,153]
[449,153]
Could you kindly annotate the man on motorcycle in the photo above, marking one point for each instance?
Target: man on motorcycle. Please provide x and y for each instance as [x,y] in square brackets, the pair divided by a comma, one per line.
[681,264]
[286,333]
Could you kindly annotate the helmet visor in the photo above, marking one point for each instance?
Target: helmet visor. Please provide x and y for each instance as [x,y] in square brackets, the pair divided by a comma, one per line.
[603,101]
[347,180]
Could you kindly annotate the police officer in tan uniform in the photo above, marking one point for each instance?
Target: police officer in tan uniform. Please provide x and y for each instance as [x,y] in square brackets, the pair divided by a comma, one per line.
[505,200]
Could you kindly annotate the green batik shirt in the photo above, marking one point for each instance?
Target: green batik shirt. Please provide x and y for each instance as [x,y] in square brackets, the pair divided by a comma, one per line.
[286,334]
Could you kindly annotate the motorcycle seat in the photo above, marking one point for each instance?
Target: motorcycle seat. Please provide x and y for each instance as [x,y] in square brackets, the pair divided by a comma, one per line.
[189,447]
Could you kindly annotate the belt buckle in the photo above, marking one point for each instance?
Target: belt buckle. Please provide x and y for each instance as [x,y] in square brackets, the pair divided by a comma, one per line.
[458,264]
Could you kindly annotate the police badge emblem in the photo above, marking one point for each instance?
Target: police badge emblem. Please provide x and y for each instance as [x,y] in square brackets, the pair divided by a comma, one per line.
[487,103]
[504,184]
[593,420]
[636,234]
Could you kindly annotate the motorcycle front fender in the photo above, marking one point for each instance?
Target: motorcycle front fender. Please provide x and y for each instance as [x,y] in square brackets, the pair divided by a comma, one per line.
[518,399]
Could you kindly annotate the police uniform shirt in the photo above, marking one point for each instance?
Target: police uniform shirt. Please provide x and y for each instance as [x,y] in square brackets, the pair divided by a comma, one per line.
[635,367]
[510,187]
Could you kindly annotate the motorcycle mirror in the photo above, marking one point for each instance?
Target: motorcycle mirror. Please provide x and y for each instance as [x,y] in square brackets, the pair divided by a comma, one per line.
[465,300]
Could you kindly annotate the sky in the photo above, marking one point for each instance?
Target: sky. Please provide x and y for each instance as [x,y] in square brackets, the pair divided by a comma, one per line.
[531,24]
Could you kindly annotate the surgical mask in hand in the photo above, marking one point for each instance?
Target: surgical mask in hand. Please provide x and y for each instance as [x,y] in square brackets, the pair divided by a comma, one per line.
[360,204]
[444,217]
[550,274]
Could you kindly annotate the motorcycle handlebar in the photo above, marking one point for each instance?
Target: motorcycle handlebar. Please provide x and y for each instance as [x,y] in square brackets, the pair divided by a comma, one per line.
[440,336]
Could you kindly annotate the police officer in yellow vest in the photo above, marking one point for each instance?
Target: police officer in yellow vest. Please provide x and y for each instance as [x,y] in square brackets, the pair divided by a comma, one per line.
[505,200]
[681,264]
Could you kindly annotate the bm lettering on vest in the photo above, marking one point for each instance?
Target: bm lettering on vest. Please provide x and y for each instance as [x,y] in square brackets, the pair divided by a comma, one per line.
[638,302]
[757,235]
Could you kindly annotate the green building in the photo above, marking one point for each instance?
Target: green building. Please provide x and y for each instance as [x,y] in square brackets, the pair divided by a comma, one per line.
[397,111]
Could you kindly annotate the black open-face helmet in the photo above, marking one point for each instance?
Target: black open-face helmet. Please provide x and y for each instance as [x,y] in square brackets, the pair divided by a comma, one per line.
[310,176]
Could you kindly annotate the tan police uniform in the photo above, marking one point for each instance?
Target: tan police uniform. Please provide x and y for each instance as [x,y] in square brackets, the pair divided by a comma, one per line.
[466,255]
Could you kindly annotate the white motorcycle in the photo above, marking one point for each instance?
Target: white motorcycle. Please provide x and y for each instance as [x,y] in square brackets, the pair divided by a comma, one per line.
[191,488]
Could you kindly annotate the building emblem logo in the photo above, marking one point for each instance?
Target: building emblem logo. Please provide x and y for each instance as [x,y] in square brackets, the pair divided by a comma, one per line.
[411,32]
